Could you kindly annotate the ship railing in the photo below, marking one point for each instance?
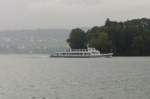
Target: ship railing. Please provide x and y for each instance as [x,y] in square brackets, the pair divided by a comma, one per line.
[88,49]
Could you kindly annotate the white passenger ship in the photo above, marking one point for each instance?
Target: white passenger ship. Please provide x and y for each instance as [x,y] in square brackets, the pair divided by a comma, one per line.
[81,53]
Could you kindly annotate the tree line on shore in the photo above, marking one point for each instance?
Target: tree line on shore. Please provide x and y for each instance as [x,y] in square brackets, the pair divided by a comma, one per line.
[129,38]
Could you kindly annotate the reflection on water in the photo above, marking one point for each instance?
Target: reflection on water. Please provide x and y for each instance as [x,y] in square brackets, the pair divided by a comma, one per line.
[41,77]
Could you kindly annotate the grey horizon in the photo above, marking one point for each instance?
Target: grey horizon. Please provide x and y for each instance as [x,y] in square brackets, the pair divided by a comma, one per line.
[33,14]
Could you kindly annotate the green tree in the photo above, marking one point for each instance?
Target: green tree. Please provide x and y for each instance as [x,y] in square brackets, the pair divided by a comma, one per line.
[101,43]
[77,39]
[127,38]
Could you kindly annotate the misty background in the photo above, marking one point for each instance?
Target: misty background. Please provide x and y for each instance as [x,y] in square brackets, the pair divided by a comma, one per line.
[40,26]
[35,14]
[40,41]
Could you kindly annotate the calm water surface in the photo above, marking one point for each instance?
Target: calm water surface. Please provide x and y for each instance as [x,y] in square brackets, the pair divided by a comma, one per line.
[41,77]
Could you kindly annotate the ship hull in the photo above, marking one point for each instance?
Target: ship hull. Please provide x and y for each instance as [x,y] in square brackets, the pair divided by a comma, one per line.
[78,56]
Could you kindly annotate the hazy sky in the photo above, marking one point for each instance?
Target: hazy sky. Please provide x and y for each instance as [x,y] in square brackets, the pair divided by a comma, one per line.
[27,14]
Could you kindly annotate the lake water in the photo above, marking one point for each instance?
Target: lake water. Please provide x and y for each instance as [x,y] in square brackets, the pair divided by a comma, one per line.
[41,77]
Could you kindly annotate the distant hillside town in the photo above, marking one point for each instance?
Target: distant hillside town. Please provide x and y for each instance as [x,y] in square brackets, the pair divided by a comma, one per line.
[40,41]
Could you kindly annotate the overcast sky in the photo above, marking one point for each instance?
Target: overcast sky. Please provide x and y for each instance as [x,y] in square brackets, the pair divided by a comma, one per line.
[28,14]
